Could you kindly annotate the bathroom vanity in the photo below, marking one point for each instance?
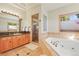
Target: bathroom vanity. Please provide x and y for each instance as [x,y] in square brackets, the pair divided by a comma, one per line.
[11,41]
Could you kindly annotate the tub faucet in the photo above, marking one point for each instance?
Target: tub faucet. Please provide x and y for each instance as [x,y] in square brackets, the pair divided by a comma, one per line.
[56,43]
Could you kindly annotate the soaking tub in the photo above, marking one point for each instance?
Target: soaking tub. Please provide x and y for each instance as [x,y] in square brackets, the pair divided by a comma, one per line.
[64,47]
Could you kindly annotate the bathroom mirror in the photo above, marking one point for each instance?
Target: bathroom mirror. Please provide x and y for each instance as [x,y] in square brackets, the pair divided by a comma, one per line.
[8,23]
[69,22]
[12,26]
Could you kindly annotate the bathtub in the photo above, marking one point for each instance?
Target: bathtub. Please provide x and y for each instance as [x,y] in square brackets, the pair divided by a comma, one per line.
[64,47]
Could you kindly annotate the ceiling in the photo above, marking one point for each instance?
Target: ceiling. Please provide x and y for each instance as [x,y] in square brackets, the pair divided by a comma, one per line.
[24,6]
[53,6]
[46,6]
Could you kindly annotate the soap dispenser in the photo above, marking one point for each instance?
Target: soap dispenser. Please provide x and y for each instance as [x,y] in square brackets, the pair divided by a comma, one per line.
[26,28]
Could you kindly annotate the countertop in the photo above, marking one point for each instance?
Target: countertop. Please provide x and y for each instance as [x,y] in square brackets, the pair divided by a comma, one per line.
[8,34]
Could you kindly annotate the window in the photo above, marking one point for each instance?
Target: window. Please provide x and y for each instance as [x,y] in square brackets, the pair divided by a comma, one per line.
[69,22]
[44,23]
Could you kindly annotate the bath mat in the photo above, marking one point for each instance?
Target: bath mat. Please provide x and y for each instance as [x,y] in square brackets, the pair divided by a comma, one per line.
[31,46]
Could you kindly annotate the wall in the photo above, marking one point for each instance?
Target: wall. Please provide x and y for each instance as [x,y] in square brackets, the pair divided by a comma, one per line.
[31,11]
[25,15]
[34,10]
[44,13]
[53,16]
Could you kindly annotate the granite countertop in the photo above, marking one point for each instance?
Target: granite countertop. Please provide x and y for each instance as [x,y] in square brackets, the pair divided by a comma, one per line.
[7,34]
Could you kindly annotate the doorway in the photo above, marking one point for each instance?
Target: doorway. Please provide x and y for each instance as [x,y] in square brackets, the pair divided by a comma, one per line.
[35,28]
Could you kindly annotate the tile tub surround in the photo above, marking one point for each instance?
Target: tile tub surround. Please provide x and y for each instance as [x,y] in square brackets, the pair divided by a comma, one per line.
[64,47]
[63,34]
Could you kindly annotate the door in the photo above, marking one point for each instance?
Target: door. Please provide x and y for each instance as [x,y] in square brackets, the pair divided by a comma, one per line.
[35,29]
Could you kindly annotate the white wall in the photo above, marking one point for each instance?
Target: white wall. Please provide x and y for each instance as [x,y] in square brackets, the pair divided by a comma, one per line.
[53,16]
[32,11]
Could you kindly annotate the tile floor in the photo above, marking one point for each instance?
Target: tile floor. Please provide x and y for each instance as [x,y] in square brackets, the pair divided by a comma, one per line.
[24,51]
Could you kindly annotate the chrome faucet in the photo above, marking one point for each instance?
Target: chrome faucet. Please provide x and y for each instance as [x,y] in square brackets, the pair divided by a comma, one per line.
[56,43]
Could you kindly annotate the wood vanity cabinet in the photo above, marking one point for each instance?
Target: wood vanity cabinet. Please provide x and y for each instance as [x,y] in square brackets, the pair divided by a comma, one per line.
[0,45]
[24,39]
[20,40]
[15,41]
[7,43]
[27,38]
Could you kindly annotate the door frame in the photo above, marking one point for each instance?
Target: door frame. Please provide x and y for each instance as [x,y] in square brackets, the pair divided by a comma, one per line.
[32,23]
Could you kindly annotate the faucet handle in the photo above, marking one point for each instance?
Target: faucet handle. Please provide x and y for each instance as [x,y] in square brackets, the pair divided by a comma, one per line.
[51,41]
[54,43]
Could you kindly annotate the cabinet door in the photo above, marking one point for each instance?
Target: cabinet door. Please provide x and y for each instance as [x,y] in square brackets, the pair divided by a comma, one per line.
[1,45]
[6,43]
[27,38]
[20,40]
[15,41]
[24,38]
